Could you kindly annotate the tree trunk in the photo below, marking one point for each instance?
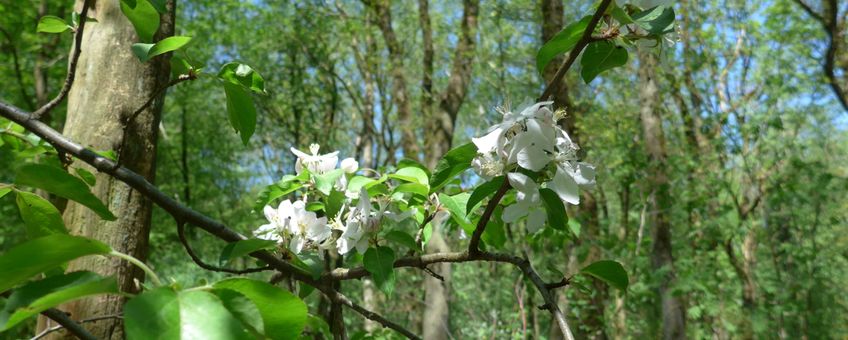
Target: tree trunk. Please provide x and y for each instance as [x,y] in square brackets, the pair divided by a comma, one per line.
[671,308]
[110,85]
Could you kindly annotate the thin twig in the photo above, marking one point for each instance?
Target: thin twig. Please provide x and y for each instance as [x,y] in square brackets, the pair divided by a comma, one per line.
[56,328]
[72,326]
[339,298]
[72,65]
[572,56]
[204,265]
[474,243]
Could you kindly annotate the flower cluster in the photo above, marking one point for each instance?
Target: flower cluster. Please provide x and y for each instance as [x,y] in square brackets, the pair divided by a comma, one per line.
[532,140]
[294,226]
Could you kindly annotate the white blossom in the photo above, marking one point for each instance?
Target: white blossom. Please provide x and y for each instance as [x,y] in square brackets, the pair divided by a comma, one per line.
[315,163]
[355,228]
[527,203]
[349,165]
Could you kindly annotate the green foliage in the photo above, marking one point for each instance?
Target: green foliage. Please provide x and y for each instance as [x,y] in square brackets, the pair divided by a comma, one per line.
[283,314]
[601,56]
[52,24]
[143,17]
[145,52]
[482,191]
[611,272]
[379,261]
[36,256]
[656,20]
[238,81]
[453,163]
[37,296]
[41,217]
[59,182]
[561,43]
[557,218]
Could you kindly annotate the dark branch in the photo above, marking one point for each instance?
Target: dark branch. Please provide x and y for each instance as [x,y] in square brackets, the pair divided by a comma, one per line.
[474,243]
[572,56]
[339,298]
[72,65]
[204,265]
[72,326]
[56,328]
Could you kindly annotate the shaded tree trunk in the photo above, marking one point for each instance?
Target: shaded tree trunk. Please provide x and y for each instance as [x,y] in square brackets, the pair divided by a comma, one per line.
[671,307]
[110,85]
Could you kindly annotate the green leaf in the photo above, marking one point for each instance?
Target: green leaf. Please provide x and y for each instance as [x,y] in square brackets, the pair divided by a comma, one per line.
[656,20]
[141,50]
[334,203]
[143,17]
[318,325]
[411,174]
[167,45]
[482,192]
[599,57]
[621,16]
[574,226]
[453,163]
[86,176]
[241,248]
[555,209]
[561,43]
[154,314]
[159,5]
[403,239]
[179,66]
[379,262]
[325,182]
[406,163]
[275,191]
[38,296]
[414,188]
[244,75]
[494,235]
[456,206]
[39,215]
[242,309]
[611,272]
[4,189]
[63,184]
[36,256]
[51,24]
[241,111]
[283,314]
[357,182]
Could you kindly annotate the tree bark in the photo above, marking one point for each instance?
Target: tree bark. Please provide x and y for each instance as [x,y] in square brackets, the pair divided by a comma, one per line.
[660,203]
[440,127]
[110,85]
[383,19]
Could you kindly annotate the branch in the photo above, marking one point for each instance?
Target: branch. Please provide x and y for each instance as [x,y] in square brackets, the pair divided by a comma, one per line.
[339,298]
[183,77]
[72,326]
[474,243]
[72,65]
[572,56]
[204,265]
[56,328]
[179,212]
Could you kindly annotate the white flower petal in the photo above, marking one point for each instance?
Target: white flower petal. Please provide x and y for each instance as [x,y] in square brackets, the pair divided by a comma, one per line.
[565,187]
[536,220]
[299,154]
[513,212]
[270,213]
[489,142]
[349,165]
[521,182]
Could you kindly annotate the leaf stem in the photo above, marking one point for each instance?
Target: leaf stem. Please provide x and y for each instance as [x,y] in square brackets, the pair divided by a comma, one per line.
[138,263]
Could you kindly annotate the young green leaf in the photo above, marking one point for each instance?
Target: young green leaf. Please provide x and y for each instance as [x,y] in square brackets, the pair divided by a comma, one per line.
[656,20]
[244,75]
[40,216]
[599,57]
[242,309]
[403,239]
[38,296]
[283,314]
[51,24]
[561,43]
[86,176]
[379,262]
[241,248]
[411,174]
[63,184]
[456,206]
[167,45]
[154,314]
[557,218]
[5,189]
[611,272]
[275,191]
[482,191]
[36,256]
[325,182]
[240,110]
[143,17]
[453,163]
[414,188]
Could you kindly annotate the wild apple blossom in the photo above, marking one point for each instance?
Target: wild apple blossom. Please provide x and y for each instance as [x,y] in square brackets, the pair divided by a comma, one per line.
[315,163]
[356,226]
[349,165]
